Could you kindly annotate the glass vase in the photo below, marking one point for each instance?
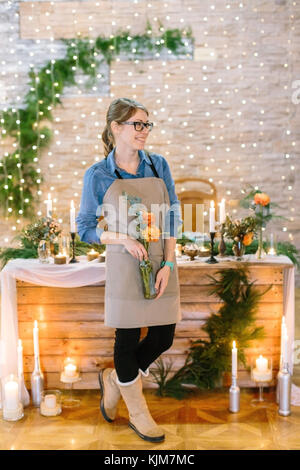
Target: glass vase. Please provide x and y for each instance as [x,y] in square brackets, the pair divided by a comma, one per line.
[148,279]
[44,251]
[260,250]
[238,249]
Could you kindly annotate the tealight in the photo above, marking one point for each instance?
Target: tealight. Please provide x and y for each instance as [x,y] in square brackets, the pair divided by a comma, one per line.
[92,254]
[61,258]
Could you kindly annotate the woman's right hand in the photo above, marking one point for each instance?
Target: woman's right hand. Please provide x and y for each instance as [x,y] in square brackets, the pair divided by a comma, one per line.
[135,248]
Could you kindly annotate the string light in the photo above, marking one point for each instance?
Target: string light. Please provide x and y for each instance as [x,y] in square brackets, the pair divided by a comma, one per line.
[199,160]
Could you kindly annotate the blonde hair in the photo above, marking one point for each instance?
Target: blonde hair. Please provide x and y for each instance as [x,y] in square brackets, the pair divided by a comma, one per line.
[119,110]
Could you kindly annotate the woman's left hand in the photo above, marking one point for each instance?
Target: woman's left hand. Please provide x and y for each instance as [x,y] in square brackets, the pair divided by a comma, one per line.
[162,278]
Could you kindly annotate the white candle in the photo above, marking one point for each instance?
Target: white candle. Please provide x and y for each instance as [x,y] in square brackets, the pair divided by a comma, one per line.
[261,364]
[222,212]
[50,400]
[20,358]
[234,360]
[11,392]
[70,370]
[36,339]
[72,218]
[212,220]
[49,205]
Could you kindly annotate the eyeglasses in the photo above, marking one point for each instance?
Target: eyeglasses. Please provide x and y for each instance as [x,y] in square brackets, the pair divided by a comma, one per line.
[139,126]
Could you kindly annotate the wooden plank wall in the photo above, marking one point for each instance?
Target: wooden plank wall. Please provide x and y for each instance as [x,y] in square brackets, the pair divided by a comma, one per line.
[71,324]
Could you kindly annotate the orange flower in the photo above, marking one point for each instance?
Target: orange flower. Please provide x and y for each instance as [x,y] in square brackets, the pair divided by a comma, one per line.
[151,234]
[148,217]
[248,239]
[262,198]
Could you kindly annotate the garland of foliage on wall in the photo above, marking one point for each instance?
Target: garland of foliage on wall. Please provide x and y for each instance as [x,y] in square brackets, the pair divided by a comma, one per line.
[207,360]
[19,175]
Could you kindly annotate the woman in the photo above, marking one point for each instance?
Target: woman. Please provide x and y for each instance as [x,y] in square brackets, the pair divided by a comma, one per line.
[127,167]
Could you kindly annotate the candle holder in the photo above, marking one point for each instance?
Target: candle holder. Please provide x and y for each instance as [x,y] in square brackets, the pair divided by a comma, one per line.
[12,406]
[69,376]
[51,403]
[284,385]
[261,374]
[222,245]
[212,259]
[73,259]
[234,396]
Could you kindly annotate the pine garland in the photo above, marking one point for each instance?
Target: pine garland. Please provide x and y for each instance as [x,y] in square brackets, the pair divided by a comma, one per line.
[19,175]
[207,360]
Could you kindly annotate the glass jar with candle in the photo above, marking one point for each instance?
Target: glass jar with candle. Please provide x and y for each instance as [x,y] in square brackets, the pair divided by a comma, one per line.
[64,245]
[70,372]
[69,376]
[12,406]
[272,244]
[50,403]
[44,251]
[262,375]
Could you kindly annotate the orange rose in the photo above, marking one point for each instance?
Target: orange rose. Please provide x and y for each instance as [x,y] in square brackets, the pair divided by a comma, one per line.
[265,199]
[148,217]
[248,239]
[262,198]
[151,234]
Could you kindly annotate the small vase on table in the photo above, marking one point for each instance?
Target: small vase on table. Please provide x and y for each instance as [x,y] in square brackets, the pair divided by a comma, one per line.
[260,254]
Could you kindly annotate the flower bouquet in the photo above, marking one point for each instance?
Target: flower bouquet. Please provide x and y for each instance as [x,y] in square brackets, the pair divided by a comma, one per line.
[148,233]
[241,231]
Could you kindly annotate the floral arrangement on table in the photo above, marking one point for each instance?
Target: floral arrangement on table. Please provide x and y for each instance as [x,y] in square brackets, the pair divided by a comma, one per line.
[45,228]
[241,232]
[261,206]
[148,233]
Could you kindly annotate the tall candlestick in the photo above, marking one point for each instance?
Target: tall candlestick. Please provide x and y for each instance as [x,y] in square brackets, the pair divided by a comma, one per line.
[49,205]
[72,218]
[234,360]
[212,219]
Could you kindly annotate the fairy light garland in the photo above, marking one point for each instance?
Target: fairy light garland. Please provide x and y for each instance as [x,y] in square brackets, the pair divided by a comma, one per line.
[159,108]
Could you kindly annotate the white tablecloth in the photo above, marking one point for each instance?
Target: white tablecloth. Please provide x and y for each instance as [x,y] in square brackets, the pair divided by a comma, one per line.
[31,270]
[91,273]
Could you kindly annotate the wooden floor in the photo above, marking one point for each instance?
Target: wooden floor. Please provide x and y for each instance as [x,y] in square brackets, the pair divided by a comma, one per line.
[200,422]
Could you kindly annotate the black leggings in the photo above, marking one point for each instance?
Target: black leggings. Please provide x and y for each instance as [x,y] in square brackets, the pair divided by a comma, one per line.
[130,354]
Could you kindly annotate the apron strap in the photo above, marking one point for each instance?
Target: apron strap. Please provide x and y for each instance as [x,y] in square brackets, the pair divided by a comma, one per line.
[152,166]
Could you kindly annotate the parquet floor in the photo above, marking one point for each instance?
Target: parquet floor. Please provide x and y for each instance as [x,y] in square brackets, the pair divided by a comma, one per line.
[200,422]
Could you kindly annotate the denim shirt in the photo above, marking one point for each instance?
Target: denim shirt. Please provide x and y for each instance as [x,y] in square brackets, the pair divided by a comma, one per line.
[98,178]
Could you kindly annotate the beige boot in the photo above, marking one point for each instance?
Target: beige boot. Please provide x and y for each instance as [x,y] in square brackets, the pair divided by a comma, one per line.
[140,419]
[110,393]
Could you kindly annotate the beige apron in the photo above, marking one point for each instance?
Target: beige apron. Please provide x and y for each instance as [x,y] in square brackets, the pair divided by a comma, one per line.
[125,305]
